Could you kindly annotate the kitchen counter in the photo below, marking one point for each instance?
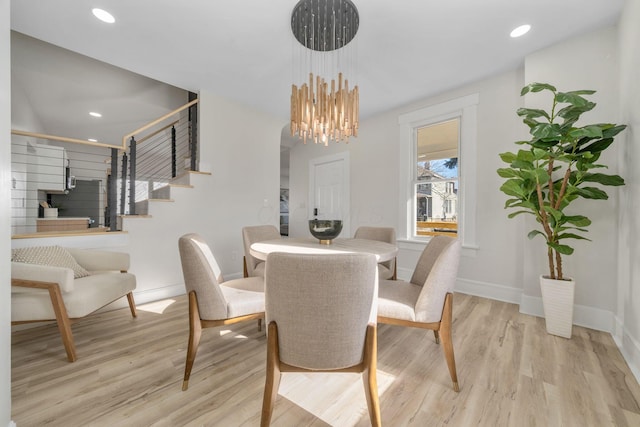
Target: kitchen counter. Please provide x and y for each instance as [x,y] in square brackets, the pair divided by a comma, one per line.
[62,224]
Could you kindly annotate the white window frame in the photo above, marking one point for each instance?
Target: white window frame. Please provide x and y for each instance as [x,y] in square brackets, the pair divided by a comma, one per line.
[465,109]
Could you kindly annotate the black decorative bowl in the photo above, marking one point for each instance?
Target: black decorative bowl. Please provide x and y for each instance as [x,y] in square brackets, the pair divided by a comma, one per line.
[325,230]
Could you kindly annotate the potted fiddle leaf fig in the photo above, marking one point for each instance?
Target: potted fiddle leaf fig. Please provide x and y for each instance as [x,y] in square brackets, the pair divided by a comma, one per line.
[557,166]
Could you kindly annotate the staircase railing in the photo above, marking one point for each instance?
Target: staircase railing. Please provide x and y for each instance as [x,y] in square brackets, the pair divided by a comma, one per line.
[157,152]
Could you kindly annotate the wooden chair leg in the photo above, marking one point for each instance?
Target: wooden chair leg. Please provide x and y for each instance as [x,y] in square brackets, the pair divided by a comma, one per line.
[244,267]
[437,335]
[132,304]
[259,325]
[62,319]
[272,382]
[369,376]
[195,332]
[447,341]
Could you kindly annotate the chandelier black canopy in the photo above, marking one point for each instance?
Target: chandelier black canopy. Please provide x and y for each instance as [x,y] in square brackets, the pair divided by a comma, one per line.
[324,25]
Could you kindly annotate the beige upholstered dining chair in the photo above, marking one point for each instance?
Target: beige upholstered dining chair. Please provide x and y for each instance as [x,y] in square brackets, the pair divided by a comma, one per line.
[212,301]
[426,301]
[253,267]
[321,317]
[386,270]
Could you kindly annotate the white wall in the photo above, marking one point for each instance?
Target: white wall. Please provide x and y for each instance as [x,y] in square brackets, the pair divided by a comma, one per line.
[5,215]
[627,331]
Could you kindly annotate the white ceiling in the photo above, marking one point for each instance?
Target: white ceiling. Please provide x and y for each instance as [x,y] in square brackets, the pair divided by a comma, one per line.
[242,49]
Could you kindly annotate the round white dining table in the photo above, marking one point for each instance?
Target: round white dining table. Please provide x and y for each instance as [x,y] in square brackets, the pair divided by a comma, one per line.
[383,251]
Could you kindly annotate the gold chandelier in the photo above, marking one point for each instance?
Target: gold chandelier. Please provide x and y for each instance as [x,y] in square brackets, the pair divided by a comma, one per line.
[319,110]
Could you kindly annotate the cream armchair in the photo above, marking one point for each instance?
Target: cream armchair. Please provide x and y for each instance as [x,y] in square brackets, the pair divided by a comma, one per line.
[53,283]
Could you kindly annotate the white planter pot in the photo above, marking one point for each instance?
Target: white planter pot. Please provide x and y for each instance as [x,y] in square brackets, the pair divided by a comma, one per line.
[557,299]
[51,212]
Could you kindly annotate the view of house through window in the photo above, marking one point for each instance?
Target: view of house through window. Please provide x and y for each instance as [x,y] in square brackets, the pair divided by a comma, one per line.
[436,179]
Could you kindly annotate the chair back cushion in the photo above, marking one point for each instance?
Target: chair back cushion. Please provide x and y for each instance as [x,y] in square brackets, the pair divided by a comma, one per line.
[381,234]
[253,234]
[202,275]
[322,305]
[436,272]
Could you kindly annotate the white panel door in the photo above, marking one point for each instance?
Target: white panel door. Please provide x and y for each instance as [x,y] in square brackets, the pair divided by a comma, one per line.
[329,189]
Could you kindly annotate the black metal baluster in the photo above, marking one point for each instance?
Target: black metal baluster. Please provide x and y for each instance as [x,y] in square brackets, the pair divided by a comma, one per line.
[132,176]
[112,193]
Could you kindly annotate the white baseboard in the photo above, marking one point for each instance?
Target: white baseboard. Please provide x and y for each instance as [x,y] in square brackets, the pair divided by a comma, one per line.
[628,346]
[151,295]
[589,317]
[488,290]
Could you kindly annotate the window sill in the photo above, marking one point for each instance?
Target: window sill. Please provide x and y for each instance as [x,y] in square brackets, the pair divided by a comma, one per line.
[419,244]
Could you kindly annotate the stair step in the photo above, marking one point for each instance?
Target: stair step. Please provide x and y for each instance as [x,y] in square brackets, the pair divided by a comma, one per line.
[164,192]
[161,193]
[142,207]
[185,178]
[161,200]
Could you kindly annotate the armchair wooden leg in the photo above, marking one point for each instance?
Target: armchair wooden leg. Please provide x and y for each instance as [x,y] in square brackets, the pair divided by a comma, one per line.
[437,335]
[64,324]
[272,382]
[447,341]
[195,332]
[369,376]
[244,267]
[132,304]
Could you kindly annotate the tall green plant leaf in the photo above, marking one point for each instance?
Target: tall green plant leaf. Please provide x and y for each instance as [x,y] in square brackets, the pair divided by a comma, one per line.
[571,236]
[536,87]
[592,193]
[577,220]
[603,179]
[574,98]
[597,146]
[563,249]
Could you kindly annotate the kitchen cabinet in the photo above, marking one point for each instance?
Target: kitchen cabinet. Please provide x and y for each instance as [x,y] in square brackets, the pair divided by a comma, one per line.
[49,170]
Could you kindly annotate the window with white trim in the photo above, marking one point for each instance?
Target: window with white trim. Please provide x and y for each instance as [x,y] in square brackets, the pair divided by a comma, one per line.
[438,174]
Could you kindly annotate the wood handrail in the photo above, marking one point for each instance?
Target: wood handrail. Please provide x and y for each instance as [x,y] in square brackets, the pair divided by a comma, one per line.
[156,121]
[65,139]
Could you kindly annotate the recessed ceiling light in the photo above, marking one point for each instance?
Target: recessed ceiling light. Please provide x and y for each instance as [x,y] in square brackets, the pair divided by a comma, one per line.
[94,114]
[520,31]
[103,15]
[92,140]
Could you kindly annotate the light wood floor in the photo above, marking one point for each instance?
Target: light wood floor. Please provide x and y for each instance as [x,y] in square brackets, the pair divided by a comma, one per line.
[129,373]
